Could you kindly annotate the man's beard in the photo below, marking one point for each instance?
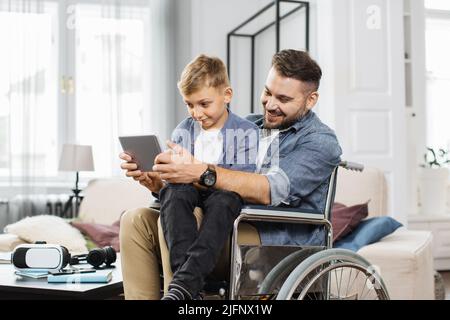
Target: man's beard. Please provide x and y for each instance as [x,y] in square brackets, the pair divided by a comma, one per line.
[287,122]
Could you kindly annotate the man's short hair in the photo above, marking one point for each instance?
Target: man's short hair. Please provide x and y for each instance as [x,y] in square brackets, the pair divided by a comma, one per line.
[298,65]
[203,71]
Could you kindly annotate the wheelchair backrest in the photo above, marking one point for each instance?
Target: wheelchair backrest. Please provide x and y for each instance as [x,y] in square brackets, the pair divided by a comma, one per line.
[333,184]
[331,194]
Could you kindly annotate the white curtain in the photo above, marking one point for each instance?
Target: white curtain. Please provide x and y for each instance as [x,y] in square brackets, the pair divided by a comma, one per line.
[27,106]
[119,80]
[128,87]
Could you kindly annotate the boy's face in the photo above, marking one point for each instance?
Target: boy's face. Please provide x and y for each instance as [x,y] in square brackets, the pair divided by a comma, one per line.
[285,100]
[208,106]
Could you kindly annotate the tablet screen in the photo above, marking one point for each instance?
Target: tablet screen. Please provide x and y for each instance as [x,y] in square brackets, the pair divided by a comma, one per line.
[143,150]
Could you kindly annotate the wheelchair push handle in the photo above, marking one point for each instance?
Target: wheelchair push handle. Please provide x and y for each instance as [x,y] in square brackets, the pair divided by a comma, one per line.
[352,166]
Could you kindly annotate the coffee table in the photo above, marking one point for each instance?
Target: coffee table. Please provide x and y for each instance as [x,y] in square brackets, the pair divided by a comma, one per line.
[18,287]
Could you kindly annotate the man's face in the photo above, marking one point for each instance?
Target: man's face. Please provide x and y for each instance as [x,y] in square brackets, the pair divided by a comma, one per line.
[208,106]
[285,100]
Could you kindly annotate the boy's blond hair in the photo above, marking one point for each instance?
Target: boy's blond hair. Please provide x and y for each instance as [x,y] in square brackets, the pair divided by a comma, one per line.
[203,71]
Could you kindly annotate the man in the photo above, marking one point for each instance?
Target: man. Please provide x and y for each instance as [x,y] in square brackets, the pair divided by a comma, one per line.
[296,157]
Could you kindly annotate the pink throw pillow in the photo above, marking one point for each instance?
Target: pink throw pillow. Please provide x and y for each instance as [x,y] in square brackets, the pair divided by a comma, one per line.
[345,219]
[101,234]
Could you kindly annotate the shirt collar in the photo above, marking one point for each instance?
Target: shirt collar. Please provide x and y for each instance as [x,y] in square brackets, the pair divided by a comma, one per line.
[302,122]
[229,123]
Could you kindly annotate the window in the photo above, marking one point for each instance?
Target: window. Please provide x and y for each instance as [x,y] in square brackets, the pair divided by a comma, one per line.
[28,82]
[437,4]
[438,73]
[72,72]
[110,86]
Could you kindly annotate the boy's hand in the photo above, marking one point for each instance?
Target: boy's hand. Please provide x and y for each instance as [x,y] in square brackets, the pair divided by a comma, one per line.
[150,180]
[129,166]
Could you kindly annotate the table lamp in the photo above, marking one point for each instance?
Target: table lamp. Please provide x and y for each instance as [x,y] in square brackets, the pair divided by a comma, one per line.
[76,158]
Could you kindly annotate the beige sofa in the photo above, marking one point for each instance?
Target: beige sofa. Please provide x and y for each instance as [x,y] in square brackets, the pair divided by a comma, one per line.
[404,258]
[104,201]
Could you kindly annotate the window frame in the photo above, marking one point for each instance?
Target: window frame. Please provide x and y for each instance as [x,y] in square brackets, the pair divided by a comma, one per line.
[66,117]
[432,14]
[11,181]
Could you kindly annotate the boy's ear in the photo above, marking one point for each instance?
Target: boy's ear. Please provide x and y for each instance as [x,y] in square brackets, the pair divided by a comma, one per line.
[228,94]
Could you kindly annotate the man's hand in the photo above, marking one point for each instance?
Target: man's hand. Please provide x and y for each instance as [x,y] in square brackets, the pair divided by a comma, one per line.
[178,165]
[150,180]
[176,155]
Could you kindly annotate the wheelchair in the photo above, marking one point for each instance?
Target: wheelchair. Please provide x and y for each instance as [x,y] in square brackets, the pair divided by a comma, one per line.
[310,272]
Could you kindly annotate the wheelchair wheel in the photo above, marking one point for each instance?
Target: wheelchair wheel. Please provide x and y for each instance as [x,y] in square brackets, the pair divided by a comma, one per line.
[334,274]
[274,279]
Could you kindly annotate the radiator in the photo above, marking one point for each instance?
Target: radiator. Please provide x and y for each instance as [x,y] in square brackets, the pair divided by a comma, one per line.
[21,206]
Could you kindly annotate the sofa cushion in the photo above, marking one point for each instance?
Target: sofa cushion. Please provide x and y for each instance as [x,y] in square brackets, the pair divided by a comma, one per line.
[405,262]
[345,219]
[101,234]
[52,229]
[105,199]
[358,187]
[367,232]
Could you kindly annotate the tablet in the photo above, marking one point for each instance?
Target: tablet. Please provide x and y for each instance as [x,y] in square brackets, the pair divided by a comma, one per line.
[143,150]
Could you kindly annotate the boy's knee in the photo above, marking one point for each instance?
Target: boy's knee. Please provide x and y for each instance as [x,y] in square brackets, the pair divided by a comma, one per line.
[178,192]
[224,196]
[226,199]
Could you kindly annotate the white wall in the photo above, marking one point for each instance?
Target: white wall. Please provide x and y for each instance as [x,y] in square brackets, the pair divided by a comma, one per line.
[203,25]
[361,44]
[162,66]
[183,44]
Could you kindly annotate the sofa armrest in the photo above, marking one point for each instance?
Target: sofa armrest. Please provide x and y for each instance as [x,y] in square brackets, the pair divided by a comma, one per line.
[405,262]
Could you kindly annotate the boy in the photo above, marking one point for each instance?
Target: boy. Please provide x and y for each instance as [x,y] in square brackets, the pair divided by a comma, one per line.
[216,136]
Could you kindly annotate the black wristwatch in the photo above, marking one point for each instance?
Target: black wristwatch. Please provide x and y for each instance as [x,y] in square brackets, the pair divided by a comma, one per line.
[209,177]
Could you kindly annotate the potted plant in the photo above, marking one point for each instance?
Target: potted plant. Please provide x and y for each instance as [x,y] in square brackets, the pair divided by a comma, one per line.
[433,182]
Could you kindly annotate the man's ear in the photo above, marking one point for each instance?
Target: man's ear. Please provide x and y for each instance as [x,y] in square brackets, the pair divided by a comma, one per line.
[312,100]
[228,94]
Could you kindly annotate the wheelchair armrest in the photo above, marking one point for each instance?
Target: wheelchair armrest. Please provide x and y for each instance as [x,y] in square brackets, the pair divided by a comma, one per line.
[271,211]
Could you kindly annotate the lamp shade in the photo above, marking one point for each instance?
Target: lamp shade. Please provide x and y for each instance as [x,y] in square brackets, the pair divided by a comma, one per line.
[76,158]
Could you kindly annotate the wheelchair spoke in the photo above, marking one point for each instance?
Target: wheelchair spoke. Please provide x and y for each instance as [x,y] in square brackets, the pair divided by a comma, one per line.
[340,282]
[367,295]
[315,296]
[354,280]
[335,275]
[364,287]
[372,290]
[348,282]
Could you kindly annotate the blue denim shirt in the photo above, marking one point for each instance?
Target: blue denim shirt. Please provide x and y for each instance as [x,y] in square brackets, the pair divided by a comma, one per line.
[240,141]
[298,165]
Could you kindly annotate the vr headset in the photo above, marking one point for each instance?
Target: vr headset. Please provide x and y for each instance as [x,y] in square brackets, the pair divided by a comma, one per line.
[50,257]
[36,257]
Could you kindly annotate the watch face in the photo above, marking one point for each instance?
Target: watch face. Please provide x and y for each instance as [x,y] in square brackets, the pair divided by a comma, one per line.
[210,180]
